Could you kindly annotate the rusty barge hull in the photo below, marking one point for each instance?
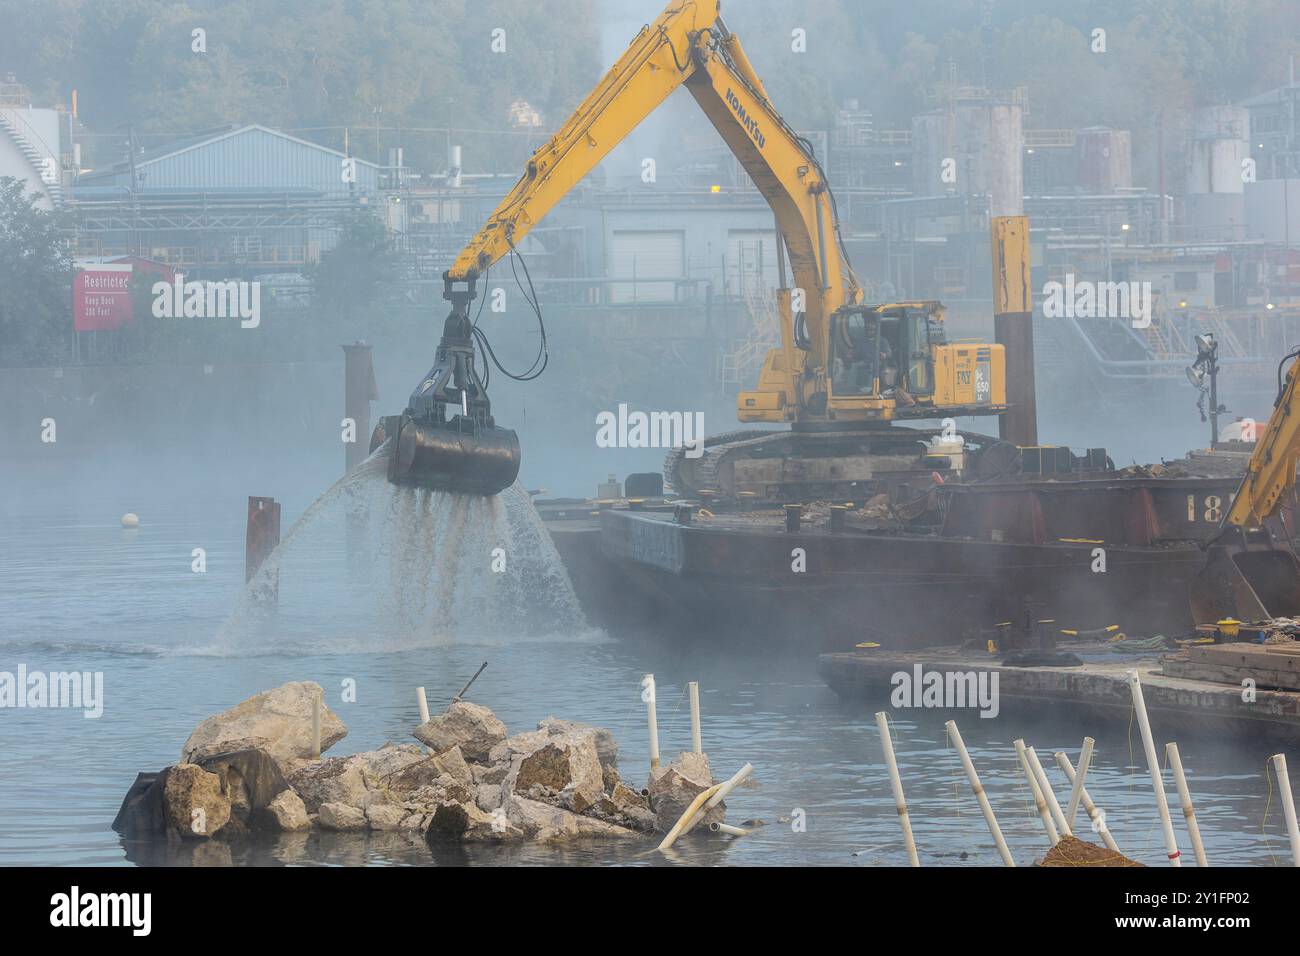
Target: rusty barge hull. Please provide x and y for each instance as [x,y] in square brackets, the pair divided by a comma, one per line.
[915,590]
[1000,549]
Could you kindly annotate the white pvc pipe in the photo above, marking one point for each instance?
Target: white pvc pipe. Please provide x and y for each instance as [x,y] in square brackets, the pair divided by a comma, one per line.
[648,691]
[721,794]
[1048,793]
[955,736]
[896,782]
[1185,795]
[1040,802]
[1094,812]
[315,724]
[702,804]
[728,829]
[1288,805]
[1157,782]
[423,703]
[1076,789]
[688,814]
[696,744]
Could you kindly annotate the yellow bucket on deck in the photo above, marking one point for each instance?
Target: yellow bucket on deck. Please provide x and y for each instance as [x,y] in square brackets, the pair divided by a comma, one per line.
[1228,627]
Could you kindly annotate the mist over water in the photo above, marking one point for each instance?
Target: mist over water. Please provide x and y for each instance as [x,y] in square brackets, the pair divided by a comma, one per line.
[371,566]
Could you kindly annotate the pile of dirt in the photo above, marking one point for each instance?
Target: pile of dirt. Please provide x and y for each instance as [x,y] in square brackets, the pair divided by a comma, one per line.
[1072,851]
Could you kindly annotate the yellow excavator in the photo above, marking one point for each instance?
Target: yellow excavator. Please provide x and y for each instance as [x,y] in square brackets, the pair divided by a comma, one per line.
[843,369]
[1251,572]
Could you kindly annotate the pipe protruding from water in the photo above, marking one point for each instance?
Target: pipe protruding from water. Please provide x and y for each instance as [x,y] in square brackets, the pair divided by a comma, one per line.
[1288,805]
[1076,786]
[317,703]
[1185,795]
[955,736]
[728,829]
[1095,813]
[1153,764]
[648,695]
[896,784]
[1040,802]
[697,745]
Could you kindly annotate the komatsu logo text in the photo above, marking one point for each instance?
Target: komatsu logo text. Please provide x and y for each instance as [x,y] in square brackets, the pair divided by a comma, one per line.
[747,121]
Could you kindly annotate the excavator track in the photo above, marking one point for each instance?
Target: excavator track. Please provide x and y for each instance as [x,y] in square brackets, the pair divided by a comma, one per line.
[707,475]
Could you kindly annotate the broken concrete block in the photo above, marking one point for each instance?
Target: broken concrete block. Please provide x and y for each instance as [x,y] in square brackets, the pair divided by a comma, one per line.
[338,816]
[277,721]
[475,729]
[195,805]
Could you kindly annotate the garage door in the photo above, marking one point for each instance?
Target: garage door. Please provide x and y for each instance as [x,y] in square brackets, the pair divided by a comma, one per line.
[751,257]
[646,255]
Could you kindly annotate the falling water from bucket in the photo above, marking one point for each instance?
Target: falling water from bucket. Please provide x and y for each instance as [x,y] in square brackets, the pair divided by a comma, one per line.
[376,566]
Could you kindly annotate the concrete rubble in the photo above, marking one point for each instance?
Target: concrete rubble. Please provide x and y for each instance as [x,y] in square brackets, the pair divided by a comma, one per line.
[250,768]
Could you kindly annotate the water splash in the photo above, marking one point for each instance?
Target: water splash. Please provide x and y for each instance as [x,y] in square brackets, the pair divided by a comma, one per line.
[374,566]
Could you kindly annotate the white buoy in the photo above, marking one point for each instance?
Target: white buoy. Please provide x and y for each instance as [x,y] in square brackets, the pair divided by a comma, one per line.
[1048,793]
[648,694]
[1288,805]
[955,736]
[696,743]
[423,703]
[1040,802]
[896,782]
[1185,795]
[1076,785]
[130,520]
[1157,781]
[1095,813]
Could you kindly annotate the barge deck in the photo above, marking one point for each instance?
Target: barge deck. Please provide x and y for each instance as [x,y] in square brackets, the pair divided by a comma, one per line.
[1098,688]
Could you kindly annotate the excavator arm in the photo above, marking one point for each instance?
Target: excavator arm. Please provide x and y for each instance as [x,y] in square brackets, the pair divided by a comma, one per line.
[1270,476]
[688,45]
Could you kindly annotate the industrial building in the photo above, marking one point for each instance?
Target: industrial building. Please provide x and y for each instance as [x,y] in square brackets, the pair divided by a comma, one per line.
[697,251]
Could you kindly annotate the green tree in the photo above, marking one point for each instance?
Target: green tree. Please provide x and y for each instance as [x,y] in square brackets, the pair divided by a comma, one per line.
[35,280]
[357,281]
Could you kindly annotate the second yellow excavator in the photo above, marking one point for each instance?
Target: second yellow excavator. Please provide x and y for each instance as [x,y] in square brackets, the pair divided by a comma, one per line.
[843,369]
[1251,572]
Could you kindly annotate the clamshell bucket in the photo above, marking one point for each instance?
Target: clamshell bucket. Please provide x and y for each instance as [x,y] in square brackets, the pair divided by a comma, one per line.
[1247,576]
[456,456]
[447,440]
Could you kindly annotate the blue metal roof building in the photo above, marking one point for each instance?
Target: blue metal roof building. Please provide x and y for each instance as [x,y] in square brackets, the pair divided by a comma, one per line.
[234,201]
[244,159]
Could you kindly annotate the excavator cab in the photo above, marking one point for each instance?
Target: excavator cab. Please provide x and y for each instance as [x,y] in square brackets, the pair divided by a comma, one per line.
[856,352]
[876,350]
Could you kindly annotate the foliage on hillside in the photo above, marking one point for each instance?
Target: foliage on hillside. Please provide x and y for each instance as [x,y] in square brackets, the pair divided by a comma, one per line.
[36,279]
